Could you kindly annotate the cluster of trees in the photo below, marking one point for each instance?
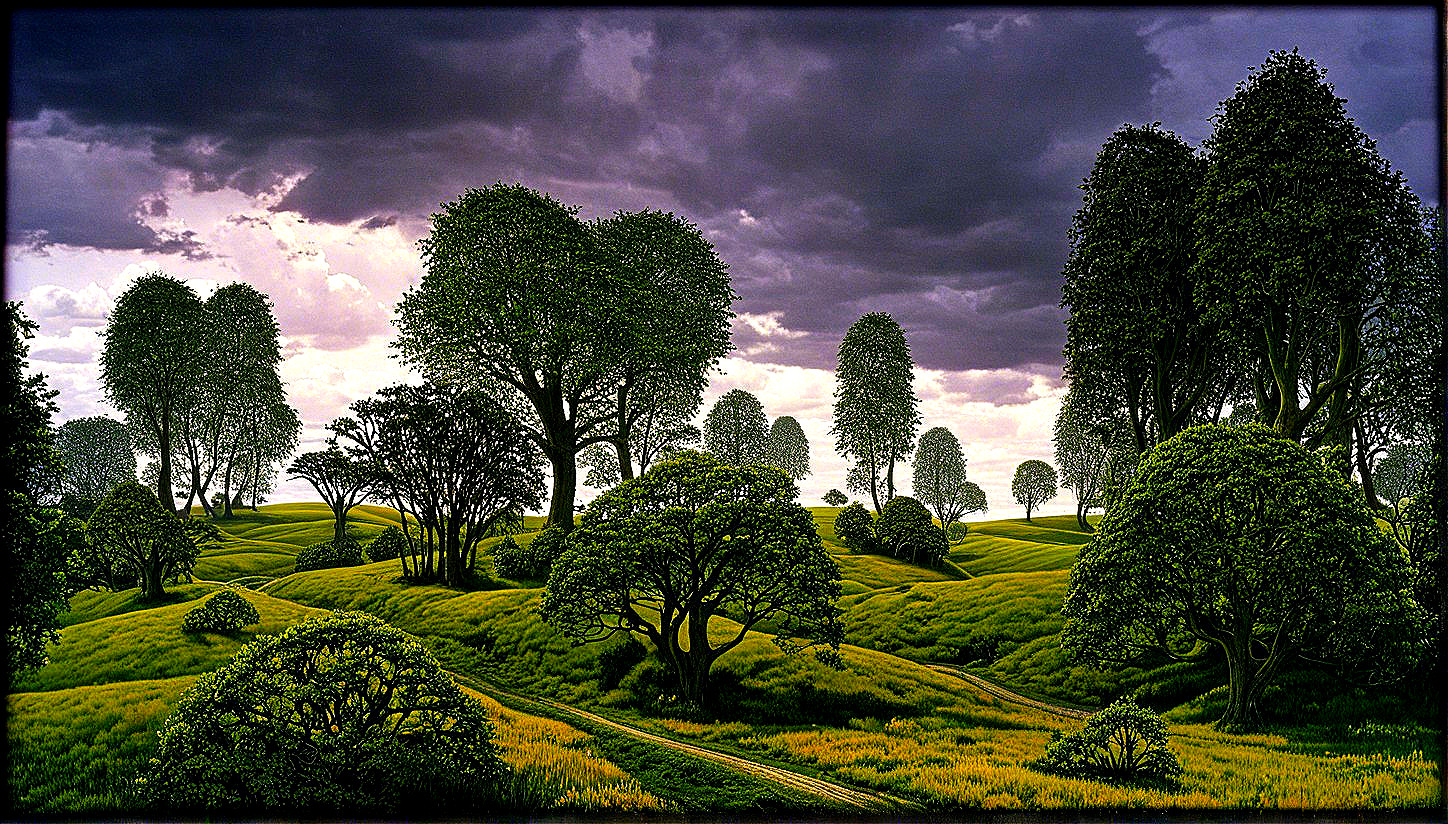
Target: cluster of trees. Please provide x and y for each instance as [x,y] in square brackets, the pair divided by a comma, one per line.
[1251,326]
[198,384]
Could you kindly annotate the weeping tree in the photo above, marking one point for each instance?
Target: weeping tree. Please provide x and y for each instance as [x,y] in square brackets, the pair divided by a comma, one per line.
[876,411]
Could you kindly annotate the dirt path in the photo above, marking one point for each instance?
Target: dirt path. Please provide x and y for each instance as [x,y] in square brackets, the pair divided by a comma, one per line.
[842,796]
[1005,694]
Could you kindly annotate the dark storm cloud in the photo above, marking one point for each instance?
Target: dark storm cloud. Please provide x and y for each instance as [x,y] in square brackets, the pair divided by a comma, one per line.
[919,162]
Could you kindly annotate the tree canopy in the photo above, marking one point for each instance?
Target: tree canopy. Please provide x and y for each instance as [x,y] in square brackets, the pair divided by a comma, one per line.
[97,455]
[1241,539]
[938,478]
[1095,451]
[691,539]
[134,531]
[342,480]
[906,529]
[787,449]
[1034,484]
[736,430]
[876,411]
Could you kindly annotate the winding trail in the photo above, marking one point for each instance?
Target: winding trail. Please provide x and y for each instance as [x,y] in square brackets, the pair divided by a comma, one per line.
[998,691]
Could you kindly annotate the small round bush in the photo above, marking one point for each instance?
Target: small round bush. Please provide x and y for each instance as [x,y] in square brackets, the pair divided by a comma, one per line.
[956,532]
[226,611]
[387,545]
[341,715]
[1122,743]
[328,554]
[532,561]
[856,529]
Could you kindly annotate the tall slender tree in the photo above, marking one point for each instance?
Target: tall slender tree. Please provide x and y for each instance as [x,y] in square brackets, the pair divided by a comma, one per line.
[787,448]
[876,411]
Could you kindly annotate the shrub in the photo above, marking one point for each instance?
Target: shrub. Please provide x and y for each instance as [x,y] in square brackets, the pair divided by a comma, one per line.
[387,546]
[856,529]
[226,611]
[617,661]
[907,529]
[956,532]
[1122,743]
[329,554]
[339,714]
[528,562]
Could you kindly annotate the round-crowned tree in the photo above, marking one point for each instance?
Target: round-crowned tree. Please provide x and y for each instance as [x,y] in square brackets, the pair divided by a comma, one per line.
[132,532]
[907,530]
[1239,538]
[340,714]
[835,498]
[855,527]
[736,430]
[388,544]
[1033,485]
[786,448]
[1123,742]
[226,611]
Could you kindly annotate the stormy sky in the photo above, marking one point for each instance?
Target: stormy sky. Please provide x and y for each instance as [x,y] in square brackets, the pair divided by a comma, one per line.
[921,162]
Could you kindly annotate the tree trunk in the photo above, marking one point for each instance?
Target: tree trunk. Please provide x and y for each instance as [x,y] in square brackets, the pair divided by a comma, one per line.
[1365,470]
[163,482]
[339,531]
[1081,518]
[1028,513]
[152,585]
[565,486]
[1242,712]
[453,574]
[200,490]
[625,459]
[226,492]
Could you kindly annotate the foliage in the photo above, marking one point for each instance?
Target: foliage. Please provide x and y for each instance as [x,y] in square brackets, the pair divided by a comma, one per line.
[938,478]
[152,366]
[96,452]
[835,498]
[388,545]
[906,529]
[226,611]
[876,411]
[1095,451]
[690,539]
[736,430]
[531,561]
[787,449]
[1123,742]
[855,527]
[131,528]
[600,465]
[956,532]
[1136,339]
[453,461]
[1238,538]
[330,555]
[1034,484]
[342,480]
[341,713]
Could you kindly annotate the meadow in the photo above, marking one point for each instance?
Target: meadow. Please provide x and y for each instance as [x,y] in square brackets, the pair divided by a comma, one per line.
[885,723]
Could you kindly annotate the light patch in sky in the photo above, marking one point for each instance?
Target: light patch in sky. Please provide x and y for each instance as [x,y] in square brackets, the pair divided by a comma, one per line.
[610,59]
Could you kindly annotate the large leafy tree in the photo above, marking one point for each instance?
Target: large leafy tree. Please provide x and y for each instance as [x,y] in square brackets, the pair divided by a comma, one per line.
[938,477]
[876,411]
[786,448]
[675,309]
[152,366]
[133,530]
[691,539]
[1238,538]
[1136,333]
[906,529]
[342,480]
[736,430]
[454,460]
[1034,484]
[39,541]
[97,455]
[1300,223]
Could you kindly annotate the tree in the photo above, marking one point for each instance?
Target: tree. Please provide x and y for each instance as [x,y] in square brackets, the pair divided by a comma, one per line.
[1123,742]
[691,539]
[1094,450]
[1033,485]
[676,311]
[855,527]
[835,498]
[152,365]
[131,527]
[226,611]
[455,460]
[876,411]
[338,714]
[1299,219]
[342,480]
[735,430]
[1240,539]
[907,530]
[1136,334]
[938,478]
[40,542]
[786,448]
[97,455]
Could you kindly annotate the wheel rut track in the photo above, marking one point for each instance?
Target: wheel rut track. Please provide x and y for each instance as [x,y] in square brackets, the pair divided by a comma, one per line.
[996,690]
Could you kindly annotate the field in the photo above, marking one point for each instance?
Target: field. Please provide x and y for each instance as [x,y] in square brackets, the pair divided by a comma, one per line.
[885,724]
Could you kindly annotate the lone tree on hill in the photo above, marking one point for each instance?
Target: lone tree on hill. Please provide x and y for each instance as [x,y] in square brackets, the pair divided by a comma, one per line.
[690,539]
[1033,485]
[835,498]
[736,430]
[876,411]
[787,448]
[341,480]
[98,458]
[131,528]
[1239,538]
[938,478]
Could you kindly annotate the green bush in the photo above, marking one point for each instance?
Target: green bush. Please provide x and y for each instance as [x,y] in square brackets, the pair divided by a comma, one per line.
[532,561]
[856,528]
[327,555]
[907,530]
[1122,743]
[340,714]
[226,611]
[387,545]
[957,532]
